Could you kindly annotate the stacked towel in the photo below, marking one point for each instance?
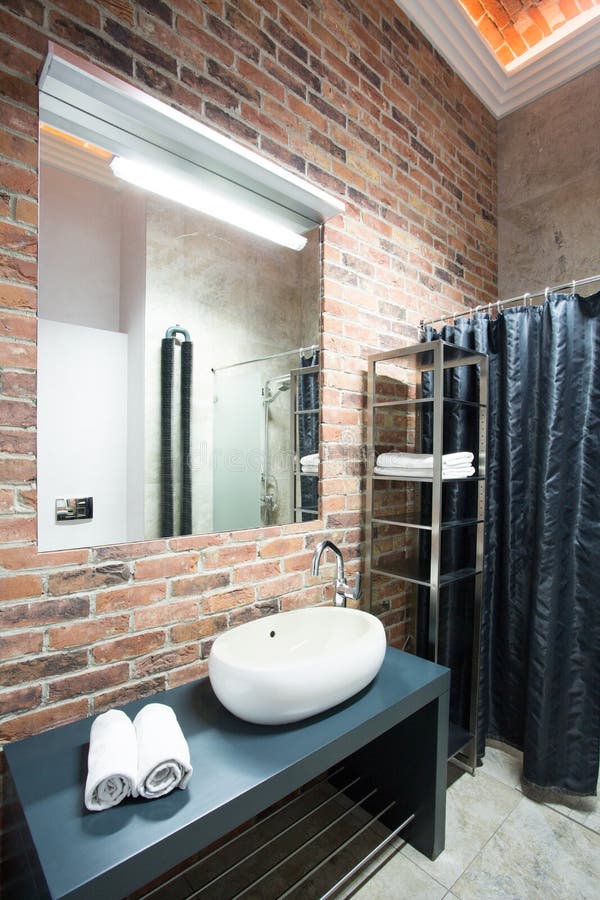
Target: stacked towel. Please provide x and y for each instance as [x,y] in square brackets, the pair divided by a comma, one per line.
[112,761]
[148,757]
[163,753]
[420,465]
[309,465]
[400,472]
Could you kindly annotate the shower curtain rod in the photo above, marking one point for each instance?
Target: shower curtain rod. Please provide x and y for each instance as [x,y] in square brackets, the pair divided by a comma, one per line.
[246,362]
[523,298]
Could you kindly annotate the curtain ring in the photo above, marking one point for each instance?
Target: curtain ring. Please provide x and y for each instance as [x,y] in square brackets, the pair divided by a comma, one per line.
[573,290]
[546,292]
[527,299]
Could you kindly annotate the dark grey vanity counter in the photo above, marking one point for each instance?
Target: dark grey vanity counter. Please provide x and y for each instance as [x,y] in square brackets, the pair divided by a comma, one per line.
[239,770]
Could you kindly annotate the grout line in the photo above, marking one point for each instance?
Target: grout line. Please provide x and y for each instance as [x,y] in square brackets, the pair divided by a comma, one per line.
[547,804]
[484,845]
[470,863]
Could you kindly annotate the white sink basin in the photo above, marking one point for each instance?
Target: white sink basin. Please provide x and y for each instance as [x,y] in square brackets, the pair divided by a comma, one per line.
[292,665]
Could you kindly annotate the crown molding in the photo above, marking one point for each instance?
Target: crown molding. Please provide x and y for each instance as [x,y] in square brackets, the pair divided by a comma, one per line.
[453,34]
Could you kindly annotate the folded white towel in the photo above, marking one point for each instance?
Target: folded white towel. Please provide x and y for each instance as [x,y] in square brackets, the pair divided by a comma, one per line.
[112,761]
[423,460]
[410,472]
[163,752]
[311,460]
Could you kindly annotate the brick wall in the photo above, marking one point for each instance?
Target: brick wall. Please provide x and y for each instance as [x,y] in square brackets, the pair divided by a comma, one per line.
[352,97]
[512,27]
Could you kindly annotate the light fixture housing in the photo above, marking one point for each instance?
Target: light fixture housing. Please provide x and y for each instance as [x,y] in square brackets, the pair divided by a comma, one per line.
[83,100]
[191,193]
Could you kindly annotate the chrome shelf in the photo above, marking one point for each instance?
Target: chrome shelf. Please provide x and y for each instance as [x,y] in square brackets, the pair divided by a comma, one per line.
[407,522]
[390,374]
[427,400]
[458,739]
[419,574]
[425,479]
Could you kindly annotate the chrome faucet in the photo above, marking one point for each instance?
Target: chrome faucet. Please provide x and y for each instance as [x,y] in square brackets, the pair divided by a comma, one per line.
[342,590]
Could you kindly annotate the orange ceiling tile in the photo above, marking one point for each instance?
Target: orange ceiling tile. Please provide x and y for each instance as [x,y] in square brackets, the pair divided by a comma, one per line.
[512,27]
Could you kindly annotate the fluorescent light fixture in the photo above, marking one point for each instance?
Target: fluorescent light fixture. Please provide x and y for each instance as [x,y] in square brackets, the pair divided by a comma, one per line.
[189,192]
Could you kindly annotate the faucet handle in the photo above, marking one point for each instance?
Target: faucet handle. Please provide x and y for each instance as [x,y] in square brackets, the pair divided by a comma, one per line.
[357,592]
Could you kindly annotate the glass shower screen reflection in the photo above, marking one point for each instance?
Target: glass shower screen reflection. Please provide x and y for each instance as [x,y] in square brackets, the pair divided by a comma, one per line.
[237,449]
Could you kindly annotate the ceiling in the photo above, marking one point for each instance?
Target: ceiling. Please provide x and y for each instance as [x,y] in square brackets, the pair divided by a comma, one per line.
[510,52]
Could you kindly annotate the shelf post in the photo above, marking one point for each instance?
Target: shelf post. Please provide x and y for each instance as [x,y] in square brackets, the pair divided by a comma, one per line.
[436,499]
[370,462]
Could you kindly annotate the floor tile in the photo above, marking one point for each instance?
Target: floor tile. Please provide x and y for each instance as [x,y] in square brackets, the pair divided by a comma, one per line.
[585,810]
[593,820]
[400,879]
[535,853]
[580,809]
[475,807]
[503,763]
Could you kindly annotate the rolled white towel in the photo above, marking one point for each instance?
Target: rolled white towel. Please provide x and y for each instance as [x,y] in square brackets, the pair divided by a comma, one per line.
[112,761]
[311,460]
[423,460]
[309,470]
[410,472]
[163,752]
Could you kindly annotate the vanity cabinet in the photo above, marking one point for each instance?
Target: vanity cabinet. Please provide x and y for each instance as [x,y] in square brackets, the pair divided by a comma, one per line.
[425,532]
[240,770]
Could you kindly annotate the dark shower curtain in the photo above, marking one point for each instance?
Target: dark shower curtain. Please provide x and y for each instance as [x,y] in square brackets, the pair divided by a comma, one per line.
[540,661]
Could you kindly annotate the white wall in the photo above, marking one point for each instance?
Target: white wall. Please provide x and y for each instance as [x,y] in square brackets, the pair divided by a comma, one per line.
[79,254]
[92,279]
[82,432]
[133,322]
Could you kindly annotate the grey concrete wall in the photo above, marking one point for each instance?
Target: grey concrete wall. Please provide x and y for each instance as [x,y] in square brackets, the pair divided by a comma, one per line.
[549,189]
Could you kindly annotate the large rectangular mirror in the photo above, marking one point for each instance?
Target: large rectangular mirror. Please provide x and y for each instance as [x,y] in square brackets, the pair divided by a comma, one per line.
[178,363]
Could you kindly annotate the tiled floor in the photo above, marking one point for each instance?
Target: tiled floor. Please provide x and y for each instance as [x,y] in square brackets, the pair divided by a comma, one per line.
[499,844]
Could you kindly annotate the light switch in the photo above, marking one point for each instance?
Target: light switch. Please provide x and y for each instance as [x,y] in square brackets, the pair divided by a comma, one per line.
[70,508]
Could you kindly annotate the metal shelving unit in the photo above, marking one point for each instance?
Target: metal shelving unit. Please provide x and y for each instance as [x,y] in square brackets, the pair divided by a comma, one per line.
[295,472]
[402,416]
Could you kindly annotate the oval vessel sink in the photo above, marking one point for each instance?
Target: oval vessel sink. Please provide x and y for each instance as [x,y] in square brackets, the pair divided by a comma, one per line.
[292,665]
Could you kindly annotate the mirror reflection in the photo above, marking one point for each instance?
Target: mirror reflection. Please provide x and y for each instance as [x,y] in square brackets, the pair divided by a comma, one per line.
[178,363]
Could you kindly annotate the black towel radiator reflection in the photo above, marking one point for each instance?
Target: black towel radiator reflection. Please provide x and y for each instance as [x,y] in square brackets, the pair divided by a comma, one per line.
[166,433]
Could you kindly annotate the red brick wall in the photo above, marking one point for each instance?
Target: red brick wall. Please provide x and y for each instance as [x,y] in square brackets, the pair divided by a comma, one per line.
[512,27]
[352,97]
